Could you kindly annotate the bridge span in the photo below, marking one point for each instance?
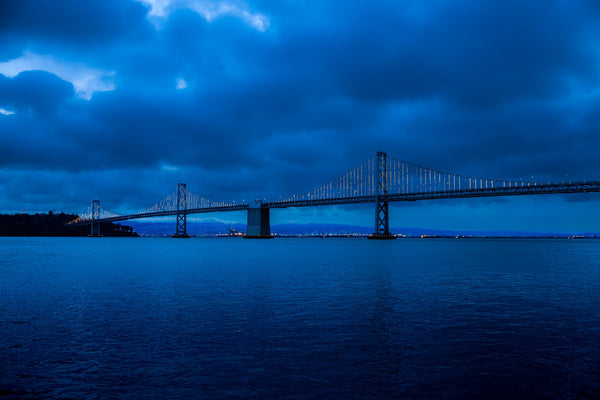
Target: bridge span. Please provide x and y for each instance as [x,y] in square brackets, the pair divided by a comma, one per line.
[378,180]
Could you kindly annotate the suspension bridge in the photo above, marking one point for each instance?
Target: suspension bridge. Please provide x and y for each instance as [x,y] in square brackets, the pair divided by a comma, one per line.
[378,180]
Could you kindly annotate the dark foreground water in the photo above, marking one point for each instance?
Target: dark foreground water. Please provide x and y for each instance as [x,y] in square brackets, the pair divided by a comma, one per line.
[143,318]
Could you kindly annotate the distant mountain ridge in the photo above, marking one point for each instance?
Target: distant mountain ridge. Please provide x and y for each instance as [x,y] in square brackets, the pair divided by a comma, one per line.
[290,229]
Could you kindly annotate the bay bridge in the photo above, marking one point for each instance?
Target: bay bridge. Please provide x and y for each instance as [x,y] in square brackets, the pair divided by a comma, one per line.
[378,180]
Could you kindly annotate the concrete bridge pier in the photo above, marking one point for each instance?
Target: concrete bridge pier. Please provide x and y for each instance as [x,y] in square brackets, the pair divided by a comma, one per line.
[259,222]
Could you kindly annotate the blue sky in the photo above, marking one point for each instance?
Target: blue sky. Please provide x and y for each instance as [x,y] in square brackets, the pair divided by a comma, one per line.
[119,100]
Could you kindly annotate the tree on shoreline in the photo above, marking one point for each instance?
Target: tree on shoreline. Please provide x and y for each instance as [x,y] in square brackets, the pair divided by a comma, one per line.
[54,224]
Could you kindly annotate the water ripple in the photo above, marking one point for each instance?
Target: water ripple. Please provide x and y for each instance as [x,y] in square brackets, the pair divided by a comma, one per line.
[299,319]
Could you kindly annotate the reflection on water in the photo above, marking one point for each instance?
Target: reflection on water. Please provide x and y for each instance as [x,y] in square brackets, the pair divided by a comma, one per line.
[299,318]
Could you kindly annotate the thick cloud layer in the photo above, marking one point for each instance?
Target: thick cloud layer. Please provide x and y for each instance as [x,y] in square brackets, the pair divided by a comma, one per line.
[122,99]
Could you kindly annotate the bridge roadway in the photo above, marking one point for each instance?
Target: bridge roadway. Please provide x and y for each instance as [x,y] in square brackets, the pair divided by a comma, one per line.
[551,188]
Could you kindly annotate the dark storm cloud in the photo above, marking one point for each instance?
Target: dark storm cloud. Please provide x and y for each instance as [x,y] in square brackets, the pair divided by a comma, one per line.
[479,54]
[499,89]
[37,91]
[71,22]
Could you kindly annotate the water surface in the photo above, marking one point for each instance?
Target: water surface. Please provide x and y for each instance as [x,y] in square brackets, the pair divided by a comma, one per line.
[158,318]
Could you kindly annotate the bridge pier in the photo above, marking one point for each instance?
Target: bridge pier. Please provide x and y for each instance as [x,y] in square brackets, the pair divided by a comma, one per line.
[382,217]
[259,222]
[95,231]
[382,222]
[181,224]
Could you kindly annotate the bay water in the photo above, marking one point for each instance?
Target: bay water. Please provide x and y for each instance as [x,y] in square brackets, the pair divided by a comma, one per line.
[227,318]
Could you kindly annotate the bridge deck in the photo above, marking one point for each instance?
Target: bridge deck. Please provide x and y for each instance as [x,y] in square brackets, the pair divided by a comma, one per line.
[577,187]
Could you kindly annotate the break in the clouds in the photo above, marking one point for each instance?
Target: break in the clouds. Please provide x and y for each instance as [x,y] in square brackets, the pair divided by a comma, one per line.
[121,99]
[209,10]
[181,83]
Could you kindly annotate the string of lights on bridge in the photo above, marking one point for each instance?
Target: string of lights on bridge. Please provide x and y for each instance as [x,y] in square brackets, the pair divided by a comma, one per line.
[401,178]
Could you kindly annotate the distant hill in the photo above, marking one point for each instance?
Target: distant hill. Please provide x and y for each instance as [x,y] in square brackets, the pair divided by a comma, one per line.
[193,228]
[53,224]
[220,228]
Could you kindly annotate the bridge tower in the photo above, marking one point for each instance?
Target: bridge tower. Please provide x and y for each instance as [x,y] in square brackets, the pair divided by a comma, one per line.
[259,221]
[95,231]
[382,219]
[181,225]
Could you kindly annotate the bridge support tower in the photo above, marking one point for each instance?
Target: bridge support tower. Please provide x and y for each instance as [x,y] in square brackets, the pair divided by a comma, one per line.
[382,217]
[259,222]
[95,231]
[181,226]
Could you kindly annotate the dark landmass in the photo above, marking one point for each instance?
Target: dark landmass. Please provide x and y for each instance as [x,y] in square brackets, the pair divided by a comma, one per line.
[218,228]
[54,224]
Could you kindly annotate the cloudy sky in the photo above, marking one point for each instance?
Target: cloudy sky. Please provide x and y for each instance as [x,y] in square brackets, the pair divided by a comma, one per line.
[121,99]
